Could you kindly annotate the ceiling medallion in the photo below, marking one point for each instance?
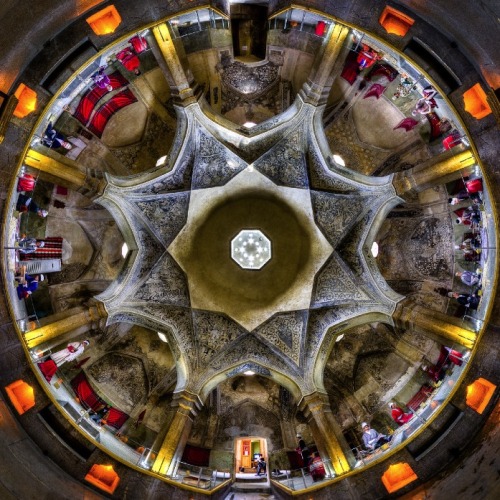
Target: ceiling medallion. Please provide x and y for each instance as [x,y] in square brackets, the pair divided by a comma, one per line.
[251,249]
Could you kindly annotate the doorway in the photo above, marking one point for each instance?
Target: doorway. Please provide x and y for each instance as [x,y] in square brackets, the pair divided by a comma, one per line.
[247,451]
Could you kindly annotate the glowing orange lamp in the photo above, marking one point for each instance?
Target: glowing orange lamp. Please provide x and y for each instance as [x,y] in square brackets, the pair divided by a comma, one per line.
[395,22]
[21,395]
[105,21]
[26,101]
[103,477]
[476,102]
[479,394]
[397,476]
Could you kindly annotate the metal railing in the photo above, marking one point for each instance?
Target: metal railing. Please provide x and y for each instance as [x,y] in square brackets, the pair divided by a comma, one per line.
[303,477]
[205,478]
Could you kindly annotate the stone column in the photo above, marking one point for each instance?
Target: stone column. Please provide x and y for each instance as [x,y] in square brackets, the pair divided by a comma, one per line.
[66,172]
[327,432]
[167,54]
[432,172]
[72,319]
[434,324]
[177,433]
[315,91]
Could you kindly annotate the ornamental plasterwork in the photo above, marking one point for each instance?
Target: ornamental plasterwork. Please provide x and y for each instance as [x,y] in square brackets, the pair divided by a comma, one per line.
[170,280]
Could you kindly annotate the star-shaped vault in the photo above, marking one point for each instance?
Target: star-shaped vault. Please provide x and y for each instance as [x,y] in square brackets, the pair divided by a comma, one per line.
[179,220]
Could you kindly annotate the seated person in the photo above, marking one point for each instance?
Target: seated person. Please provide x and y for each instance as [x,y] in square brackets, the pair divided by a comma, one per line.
[26,183]
[427,103]
[469,254]
[54,139]
[261,466]
[464,195]
[129,60]
[29,245]
[447,356]
[468,216]
[26,204]
[99,416]
[470,300]
[472,242]
[468,277]
[398,415]
[373,439]
[367,57]
[28,284]
[317,468]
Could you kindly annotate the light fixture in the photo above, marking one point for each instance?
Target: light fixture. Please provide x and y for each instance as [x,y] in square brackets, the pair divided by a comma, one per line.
[397,476]
[26,101]
[124,250]
[479,394]
[395,22]
[249,373]
[249,124]
[476,102]
[339,338]
[339,160]
[21,396]
[251,249]
[105,21]
[161,161]
[374,249]
[163,337]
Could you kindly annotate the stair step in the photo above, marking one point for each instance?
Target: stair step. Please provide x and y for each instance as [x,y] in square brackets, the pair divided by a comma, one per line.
[255,488]
[251,479]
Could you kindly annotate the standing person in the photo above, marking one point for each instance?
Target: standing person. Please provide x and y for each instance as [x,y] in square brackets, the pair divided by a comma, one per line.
[69,353]
[303,451]
[398,415]
[373,439]
[261,466]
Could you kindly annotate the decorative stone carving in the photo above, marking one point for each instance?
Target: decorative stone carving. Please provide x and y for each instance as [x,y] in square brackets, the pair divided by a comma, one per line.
[285,163]
[214,164]
[285,331]
[335,213]
[171,210]
[166,285]
[181,291]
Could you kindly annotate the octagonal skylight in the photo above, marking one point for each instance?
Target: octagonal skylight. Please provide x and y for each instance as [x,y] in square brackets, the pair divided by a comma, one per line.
[251,249]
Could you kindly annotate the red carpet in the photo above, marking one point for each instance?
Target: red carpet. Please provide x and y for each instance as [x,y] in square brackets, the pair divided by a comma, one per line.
[93,96]
[106,111]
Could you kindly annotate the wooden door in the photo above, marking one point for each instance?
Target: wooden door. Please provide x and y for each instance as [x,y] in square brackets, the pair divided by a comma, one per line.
[246,458]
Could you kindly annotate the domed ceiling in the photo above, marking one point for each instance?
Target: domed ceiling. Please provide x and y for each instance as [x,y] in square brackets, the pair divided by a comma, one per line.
[320,219]
[314,172]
